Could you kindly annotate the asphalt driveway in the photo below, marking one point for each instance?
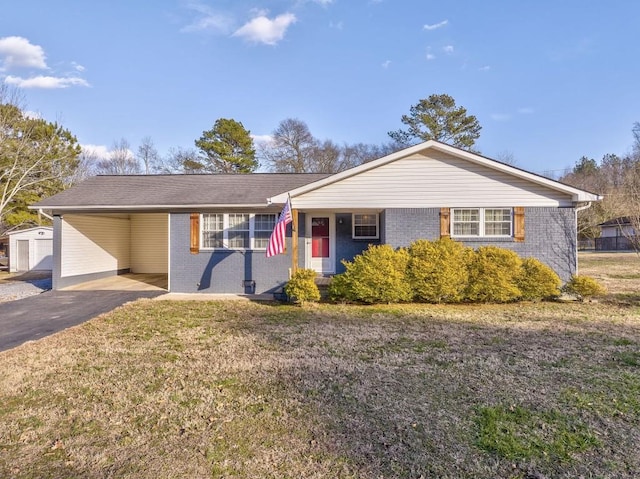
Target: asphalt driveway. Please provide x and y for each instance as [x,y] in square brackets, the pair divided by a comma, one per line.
[38,316]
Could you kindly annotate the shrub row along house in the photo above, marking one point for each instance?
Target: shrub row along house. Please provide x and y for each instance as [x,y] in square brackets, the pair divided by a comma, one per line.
[209,233]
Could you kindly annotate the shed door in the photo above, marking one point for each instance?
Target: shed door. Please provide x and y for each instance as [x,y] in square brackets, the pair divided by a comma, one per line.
[22,255]
[43,254]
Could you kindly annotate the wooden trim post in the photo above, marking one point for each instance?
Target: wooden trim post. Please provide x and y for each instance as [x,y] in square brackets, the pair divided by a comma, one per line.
[294,241]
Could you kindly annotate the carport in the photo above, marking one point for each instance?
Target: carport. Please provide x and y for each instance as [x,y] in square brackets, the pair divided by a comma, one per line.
[90,248]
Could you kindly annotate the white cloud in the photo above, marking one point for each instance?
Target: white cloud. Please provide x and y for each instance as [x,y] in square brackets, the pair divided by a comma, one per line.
[99,152]
[78,67]
[337,25]
[436,25]
[208,20]
[264,30]
[485,68]
[262,139]
[324,3]
[17,52]
[500,116]
[45,82]
[448,49]
[430,56]
[525,110]
[386,64]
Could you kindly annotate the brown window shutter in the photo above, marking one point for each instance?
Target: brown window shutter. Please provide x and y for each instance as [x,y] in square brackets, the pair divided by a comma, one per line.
[445,229]
[195,233]
[518,224]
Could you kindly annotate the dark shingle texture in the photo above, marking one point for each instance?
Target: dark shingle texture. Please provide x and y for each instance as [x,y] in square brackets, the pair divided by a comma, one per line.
[178,190]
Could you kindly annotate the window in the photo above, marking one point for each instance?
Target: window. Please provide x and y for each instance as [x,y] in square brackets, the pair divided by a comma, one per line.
[262,228]
[212,230]
[236,230]
[494,222]
[365,226]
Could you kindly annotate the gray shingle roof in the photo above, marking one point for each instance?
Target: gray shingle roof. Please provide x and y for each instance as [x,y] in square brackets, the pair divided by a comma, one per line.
[177,190]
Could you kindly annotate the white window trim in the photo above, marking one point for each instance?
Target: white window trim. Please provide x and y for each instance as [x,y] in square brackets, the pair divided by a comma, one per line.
[353,226]
[225,232]
[481,232]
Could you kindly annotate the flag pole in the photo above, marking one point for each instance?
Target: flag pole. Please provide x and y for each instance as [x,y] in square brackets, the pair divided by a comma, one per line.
[294,239]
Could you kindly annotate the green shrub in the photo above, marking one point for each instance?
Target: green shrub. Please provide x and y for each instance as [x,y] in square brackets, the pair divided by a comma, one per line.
[438,270]
[340,288]
[493,274]
[584,286]
[302,287]
[378,275]
[537,280]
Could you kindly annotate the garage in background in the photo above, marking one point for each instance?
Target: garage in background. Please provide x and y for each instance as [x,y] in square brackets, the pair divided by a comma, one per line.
[31,250]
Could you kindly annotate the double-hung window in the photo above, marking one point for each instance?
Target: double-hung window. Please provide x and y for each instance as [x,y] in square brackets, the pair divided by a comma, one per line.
[365,226]
[262,228]
[212,230]
[242,231]
[482,222]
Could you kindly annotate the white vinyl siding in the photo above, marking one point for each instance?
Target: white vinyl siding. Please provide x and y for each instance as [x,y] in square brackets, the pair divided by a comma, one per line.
[149,243]
[430,182]
[94,244]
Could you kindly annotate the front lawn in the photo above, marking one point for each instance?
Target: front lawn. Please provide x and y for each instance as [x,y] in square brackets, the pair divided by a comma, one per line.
[161,389]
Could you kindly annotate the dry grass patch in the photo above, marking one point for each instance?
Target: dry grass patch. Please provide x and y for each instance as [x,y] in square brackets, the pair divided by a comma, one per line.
[236,389]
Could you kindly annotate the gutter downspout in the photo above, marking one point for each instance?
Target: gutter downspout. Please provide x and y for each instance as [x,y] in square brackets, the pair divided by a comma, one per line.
[41,212]
[578,210]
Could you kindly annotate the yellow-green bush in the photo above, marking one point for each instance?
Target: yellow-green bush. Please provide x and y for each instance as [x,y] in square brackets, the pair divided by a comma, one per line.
[493,274]
[438,270]
[340,288]
[584,286]
[378,275]
[537,281]
[302,287]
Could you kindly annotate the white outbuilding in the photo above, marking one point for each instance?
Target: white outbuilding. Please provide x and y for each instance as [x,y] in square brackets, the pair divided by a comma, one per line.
[31,250]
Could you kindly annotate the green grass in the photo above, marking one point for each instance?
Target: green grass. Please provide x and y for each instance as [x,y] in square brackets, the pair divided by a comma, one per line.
[516,433]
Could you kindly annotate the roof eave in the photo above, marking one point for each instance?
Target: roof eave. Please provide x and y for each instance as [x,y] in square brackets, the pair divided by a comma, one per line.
[144,207]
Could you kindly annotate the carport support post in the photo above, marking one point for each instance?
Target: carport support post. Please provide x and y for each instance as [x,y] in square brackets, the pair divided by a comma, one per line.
[294,241]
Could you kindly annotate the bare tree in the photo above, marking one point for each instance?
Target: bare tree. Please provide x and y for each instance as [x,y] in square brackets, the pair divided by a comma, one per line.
[148,155]
[121,161]
[290,148]
[507,157]
[180,161]
[293,149]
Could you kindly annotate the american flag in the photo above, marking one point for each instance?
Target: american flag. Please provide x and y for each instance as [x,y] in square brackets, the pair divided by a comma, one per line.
[278,236]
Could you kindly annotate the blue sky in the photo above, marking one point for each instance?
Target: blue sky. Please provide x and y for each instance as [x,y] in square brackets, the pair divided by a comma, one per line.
[548,80]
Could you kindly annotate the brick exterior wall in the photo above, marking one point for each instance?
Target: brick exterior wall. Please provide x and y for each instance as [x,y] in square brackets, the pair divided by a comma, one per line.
[346,246]
[550,234]
[222,271]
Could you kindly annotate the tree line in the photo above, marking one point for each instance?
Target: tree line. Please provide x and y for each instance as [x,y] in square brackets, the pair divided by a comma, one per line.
[228,147]
[615,177]
[40,158]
